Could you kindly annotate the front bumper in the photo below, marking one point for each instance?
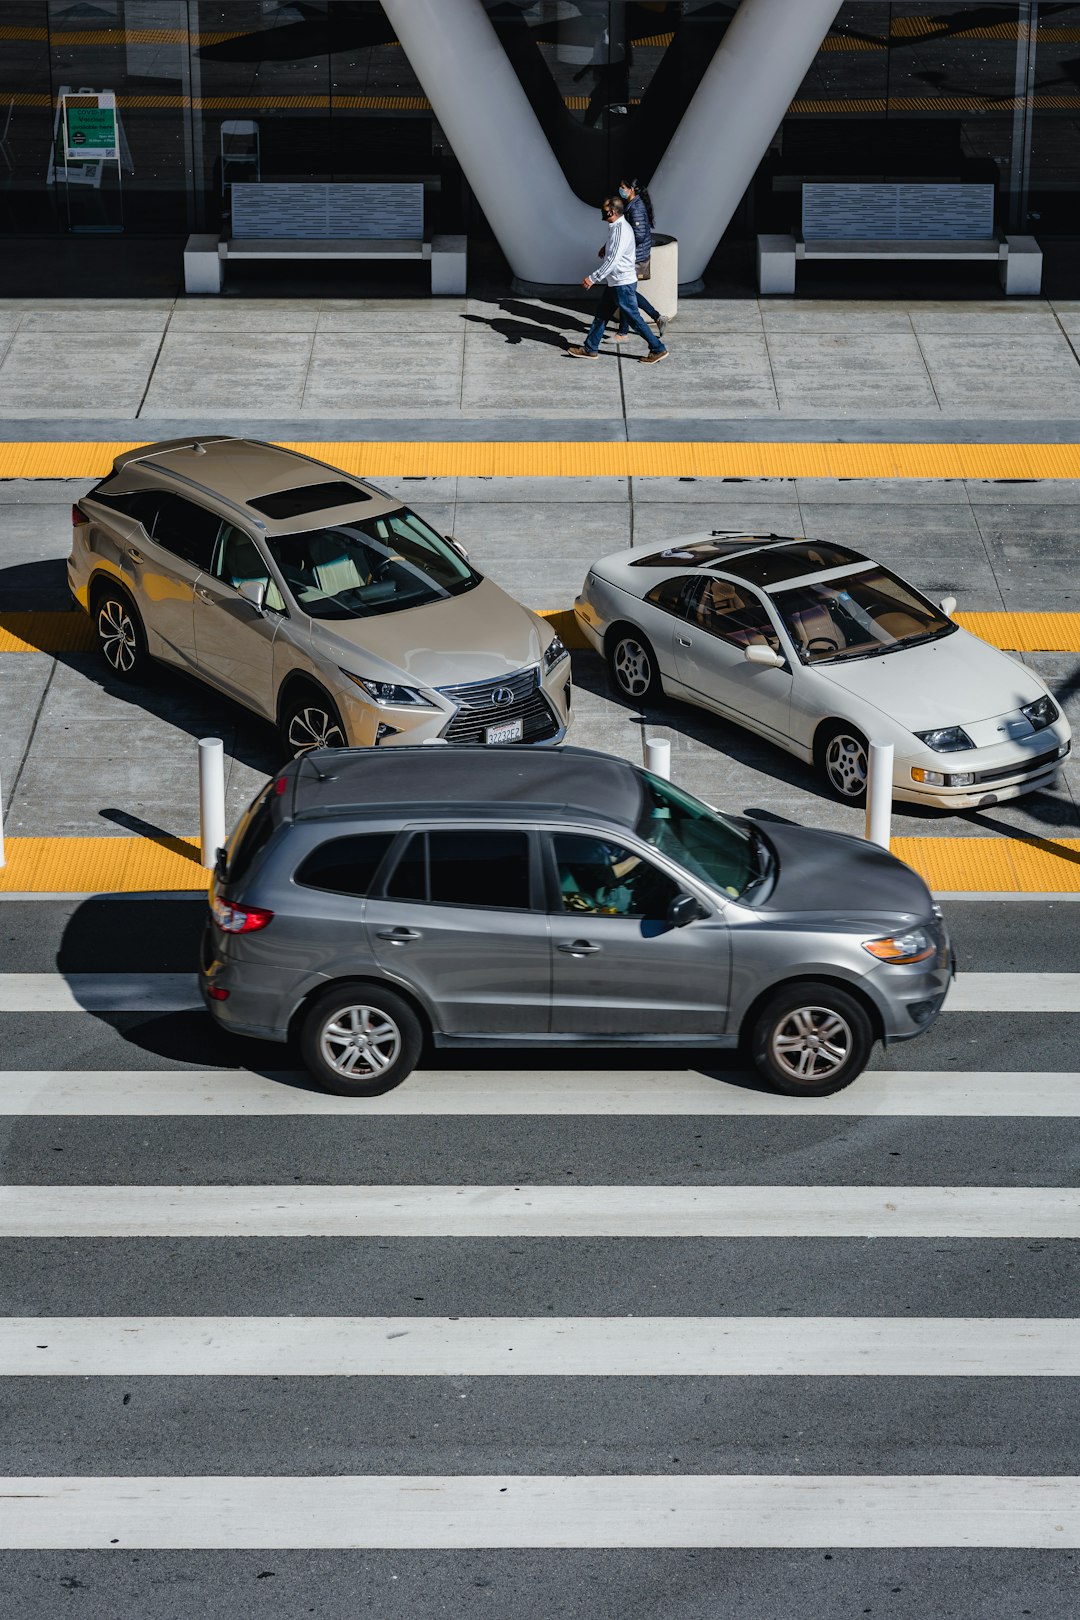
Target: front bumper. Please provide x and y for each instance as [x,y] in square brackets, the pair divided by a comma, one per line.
[541,702]
[1002,773]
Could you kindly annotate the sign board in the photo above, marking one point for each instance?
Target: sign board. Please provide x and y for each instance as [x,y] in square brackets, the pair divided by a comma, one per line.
[90,131]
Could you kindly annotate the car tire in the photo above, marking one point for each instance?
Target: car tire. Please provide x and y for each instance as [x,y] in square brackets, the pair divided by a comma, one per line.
[359,1040]
[120,632]
[633,665]
[842,755]
[310,719]
[783,1040]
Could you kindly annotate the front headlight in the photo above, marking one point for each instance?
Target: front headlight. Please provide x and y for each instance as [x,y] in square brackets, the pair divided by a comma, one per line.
[1040,714]
[946,739]
[913,945]
[387,695]
[554,653]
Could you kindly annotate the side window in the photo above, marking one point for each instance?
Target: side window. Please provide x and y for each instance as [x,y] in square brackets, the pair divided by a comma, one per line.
[345,865]
[672,594]
[735,615]
[600,878]
[237,559]
[485,867]
[188,530]
[140,504]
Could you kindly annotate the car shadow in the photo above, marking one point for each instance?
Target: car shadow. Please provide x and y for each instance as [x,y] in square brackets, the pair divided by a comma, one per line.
[36,586]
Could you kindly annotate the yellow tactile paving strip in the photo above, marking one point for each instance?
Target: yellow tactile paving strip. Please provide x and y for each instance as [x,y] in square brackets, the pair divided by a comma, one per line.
[138,865]
[1015,632]
[576,459]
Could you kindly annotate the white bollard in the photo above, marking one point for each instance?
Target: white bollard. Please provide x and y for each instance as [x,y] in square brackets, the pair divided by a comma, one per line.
[658,757]
[879,794]
[211,797]
[3,857]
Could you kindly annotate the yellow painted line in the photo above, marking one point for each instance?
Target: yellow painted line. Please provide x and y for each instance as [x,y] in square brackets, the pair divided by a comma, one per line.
[101,865]
[1014,632]
[570,459]
[1024,865]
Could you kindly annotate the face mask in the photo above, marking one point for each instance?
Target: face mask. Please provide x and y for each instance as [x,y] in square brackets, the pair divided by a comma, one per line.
[623,193]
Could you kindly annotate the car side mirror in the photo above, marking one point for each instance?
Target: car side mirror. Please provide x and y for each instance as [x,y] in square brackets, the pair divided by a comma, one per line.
[759,653]
[684,909]
[948,606]
[254,591]
[458,547]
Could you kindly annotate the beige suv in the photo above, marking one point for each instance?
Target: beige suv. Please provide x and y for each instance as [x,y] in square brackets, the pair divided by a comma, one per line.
[312,598]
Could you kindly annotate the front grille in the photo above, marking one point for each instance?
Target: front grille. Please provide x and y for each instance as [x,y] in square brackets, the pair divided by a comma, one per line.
[477,711]
[1027,768]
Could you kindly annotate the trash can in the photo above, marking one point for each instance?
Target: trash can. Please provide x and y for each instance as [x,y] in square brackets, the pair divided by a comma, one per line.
[662,287]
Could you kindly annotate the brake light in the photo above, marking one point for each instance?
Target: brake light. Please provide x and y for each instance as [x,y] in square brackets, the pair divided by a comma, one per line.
[239,919]
[78,517]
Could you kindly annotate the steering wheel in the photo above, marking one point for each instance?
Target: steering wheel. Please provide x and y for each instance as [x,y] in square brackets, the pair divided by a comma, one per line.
[823,641]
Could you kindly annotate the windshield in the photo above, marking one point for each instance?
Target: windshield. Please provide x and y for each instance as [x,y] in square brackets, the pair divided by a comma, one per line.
[377,565]
[857,616]
[689,833]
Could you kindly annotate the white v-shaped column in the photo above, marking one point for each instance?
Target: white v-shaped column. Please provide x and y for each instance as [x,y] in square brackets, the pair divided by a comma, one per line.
[547,233]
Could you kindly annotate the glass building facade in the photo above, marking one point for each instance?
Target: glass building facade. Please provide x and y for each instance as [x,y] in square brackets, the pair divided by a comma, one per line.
[209,92]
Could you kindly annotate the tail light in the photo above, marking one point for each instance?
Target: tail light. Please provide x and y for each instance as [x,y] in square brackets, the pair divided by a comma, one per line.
[239,919]
[78,517]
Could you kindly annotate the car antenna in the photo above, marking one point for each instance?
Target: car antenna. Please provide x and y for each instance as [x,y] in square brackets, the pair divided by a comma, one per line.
[323,776]
[199,449]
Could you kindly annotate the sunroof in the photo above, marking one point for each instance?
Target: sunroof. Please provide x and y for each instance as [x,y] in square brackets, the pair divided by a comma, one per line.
[290,503]
[694,553]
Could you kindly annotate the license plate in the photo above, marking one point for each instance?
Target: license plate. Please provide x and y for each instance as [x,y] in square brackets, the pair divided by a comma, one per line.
[511,731]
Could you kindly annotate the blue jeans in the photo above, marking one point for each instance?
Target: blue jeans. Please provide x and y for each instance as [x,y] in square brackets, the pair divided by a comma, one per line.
[623,299]
[645,307]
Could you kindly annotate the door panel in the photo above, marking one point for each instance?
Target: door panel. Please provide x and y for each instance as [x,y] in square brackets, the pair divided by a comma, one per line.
[617,967]
[447,925]
[234,642]
[164,589]
[710,647]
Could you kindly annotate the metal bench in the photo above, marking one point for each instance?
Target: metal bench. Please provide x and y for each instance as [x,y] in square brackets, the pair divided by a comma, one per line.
[287,220]
[905,220]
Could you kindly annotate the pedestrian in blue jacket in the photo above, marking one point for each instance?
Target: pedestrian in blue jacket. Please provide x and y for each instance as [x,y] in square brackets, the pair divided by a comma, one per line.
[639,211]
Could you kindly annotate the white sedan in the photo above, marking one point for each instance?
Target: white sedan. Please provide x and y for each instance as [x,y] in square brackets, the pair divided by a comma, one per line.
[820,649]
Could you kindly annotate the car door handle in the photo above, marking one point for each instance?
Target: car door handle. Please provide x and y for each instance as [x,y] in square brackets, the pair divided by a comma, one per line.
[683,641]
[134,554]
[578,947]
[205,596]
[399,936]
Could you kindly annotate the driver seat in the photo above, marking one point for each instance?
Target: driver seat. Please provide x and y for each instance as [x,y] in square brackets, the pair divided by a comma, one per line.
[810,622]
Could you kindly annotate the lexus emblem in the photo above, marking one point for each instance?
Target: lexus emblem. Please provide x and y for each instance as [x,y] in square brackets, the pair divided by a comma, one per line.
[501,696]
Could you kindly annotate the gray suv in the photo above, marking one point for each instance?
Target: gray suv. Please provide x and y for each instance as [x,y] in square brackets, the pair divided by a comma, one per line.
[370,901]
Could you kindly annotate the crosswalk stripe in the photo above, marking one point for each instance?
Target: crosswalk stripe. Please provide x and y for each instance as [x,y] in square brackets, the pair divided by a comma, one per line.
[585,1347]
[225,1093]
[179,992]
[98,992]
[540,1211]
[503,1511]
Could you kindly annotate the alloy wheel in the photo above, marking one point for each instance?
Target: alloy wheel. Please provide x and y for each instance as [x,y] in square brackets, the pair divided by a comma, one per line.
[846,765]
[313,727]
[360,1043]
[119,641]
[811,1044]
[633,667]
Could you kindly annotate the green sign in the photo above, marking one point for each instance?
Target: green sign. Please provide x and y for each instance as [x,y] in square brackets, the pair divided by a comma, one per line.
[91,132]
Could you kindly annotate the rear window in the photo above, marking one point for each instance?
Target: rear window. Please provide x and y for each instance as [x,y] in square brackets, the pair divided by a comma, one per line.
[290,503]
[790,562]
[251,836]
[695,553]
[345,865]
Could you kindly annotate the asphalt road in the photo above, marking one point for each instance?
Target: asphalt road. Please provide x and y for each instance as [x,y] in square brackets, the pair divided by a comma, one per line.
[608,1427]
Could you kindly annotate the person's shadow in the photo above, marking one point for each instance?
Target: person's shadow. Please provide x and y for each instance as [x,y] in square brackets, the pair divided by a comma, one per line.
[532,323]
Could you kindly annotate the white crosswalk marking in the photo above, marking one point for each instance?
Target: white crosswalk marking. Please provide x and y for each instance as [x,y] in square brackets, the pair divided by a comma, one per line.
[429,1510]
[165,1093]
[178,992]
[539,1211]
[587,1347]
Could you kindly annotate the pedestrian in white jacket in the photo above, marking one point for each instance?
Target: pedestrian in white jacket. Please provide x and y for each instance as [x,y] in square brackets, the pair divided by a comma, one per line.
[617,275]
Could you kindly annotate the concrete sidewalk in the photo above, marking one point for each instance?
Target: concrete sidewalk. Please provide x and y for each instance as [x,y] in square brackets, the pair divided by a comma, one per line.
[455,364]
